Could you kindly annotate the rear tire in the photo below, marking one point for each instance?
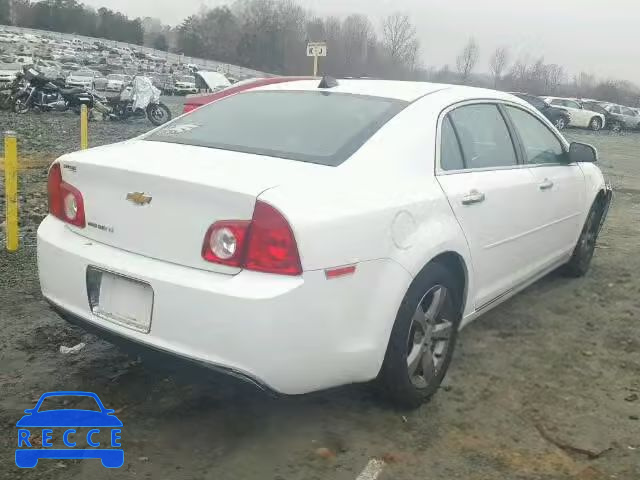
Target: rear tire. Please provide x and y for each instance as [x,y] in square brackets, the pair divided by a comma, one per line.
[595,124]
[561,123]
[423,338]
[158,114]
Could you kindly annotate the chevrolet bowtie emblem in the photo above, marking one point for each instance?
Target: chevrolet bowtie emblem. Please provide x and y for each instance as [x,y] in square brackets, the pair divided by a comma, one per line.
[139,198]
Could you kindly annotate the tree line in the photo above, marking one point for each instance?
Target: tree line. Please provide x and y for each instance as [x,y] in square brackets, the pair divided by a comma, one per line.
[270,35]
[71,16]
[534,76]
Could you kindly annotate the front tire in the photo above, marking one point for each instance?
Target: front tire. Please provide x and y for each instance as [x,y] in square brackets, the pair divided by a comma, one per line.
[595,124]
[20,106]
[423,338]
[580,261]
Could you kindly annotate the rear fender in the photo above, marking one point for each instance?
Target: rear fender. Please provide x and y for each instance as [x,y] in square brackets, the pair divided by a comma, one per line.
[436,231]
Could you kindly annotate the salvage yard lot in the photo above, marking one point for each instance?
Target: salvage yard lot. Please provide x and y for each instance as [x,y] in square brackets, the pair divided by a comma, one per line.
[544,387]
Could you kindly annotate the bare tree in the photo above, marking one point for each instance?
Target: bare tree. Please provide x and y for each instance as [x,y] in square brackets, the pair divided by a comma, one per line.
[357,35]
[498,64]
[556,77]
[399,40]
[467,60]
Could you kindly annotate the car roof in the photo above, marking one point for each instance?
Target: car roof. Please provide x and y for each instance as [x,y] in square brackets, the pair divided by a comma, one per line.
[399,90]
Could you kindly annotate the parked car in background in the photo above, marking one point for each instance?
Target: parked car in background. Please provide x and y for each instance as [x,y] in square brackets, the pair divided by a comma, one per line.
[164,82]
[71,66]
[82,78]
[611,122]
[580,117]
[8,74]
[100,82]
[195,101]
[211,82]
[116,82]
[510,199]
[185,84]
[626,117]
[559,116]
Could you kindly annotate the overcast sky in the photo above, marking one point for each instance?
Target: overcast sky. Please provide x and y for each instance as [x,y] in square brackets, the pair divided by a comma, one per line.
[583,35]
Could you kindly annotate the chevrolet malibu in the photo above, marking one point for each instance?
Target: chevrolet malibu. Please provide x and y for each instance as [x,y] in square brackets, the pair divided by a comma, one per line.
[308,234]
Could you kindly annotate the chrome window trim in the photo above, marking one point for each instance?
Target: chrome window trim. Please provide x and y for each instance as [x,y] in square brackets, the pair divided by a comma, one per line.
[493,101]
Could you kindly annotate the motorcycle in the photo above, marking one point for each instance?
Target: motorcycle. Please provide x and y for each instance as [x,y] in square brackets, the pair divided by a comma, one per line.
[41,94]
[9,93]
[139,99]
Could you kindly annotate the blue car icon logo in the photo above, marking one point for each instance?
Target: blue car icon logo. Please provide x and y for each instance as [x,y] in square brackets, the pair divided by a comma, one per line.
[83,432]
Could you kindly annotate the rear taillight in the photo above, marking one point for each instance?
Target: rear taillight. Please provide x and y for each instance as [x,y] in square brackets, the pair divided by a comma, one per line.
[224,243]
[265,244]
[271,246]
[65,201]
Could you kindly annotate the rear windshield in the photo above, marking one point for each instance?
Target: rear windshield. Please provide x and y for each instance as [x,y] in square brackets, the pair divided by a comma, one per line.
[317,127]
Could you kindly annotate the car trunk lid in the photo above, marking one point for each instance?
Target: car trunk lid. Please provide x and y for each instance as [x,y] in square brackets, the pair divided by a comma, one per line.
[158,199]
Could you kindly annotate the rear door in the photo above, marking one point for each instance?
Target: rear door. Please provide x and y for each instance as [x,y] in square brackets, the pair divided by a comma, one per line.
[492,196]
[560,187]
[582,117]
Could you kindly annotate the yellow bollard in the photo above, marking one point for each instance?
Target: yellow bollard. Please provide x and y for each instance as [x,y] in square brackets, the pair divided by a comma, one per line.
[11,189]
[84,127]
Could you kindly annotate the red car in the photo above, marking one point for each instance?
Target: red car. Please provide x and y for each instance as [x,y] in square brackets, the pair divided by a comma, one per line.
[198,101]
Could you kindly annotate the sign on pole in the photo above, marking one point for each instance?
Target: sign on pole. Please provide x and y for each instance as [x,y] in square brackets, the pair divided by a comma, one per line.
[315,50]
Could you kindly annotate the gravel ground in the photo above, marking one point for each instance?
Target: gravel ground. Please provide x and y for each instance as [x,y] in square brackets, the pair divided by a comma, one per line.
[544,387]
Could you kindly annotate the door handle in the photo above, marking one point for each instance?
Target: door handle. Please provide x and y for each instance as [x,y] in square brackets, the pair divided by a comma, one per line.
[546,185]
[472,197]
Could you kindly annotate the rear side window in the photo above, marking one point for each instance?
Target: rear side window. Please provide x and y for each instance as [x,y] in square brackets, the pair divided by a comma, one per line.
[484,137]
[318,127]
[450,154]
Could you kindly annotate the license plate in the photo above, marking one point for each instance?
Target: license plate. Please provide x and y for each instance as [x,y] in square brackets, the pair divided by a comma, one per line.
[121,300]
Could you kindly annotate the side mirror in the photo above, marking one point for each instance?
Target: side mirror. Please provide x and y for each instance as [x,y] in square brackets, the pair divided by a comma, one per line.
[582,153]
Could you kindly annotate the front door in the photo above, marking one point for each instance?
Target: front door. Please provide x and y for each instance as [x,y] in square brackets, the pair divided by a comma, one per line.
[560,195]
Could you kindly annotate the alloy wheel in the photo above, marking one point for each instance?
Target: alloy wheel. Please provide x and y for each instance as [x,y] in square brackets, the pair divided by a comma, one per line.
[429,337]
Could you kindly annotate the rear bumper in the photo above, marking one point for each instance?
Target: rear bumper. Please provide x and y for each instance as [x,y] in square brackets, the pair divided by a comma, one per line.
[292,335]
[157,355]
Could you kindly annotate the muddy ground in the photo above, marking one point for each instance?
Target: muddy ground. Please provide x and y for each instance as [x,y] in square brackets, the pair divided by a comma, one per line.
[544,387]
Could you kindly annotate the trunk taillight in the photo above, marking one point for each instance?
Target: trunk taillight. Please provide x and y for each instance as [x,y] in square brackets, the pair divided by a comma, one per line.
[265,244]
[65,201]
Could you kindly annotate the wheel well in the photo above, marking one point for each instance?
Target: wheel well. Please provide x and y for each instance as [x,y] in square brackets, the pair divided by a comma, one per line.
[456,265]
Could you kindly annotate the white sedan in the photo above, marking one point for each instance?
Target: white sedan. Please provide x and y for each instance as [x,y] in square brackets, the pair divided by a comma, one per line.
[116,82]
[579,116]
[304,236]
